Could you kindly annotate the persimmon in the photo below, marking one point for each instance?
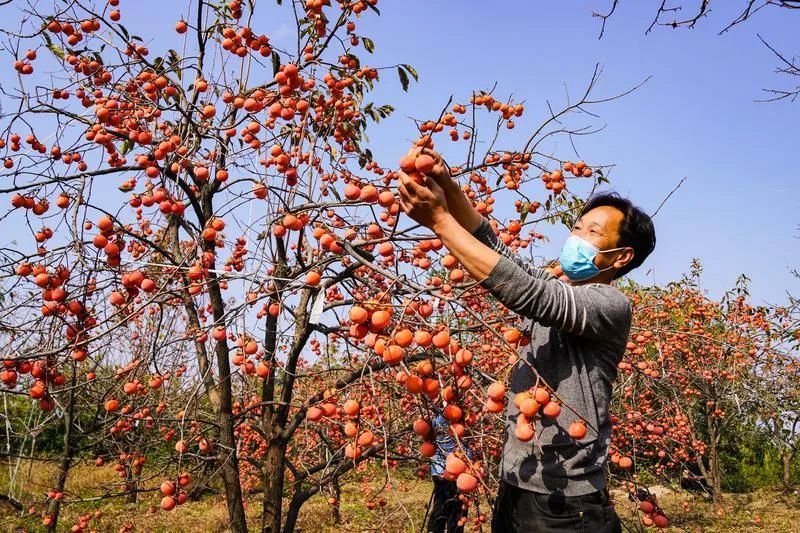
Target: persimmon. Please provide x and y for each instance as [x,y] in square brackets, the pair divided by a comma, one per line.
[454,465]
[497,391]
[424,164]
[541,395]
[466,482]
[167,488]
[313,278]
[551,409]
[577,430]
[441,339]
[351,408]
[358,315]
[452,412]
[523,432]
[168,503]
[422,427]
[423,338]
[380,319]
[428,449]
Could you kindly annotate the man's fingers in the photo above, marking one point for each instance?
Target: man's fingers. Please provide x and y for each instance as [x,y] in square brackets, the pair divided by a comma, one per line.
[406,209]
[411,186]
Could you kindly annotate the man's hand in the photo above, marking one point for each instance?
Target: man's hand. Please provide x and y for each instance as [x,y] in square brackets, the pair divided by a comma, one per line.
[425,204]
[440,172]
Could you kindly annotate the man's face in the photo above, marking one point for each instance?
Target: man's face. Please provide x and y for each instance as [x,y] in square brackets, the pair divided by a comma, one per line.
[600,226]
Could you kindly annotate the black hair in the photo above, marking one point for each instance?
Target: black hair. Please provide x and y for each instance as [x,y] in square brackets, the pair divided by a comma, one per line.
[636,229]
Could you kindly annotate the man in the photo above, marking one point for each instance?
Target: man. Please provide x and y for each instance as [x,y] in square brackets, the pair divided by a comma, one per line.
[578,325]
[446,509]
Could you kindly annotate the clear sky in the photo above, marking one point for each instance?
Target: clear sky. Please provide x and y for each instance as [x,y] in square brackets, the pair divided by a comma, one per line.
[696,118]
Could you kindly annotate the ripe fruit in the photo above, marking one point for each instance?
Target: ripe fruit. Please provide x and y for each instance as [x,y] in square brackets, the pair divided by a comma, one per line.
[358,315]
[167,488]
[168,503]
[541,395]
[351,408]
[422,427]
[529,407]
[577,430]
[497,391]
[452,412]
[466,482]
[380,319]
[523,431]
[552,410]
[424,164]
[407,164]
[453,465]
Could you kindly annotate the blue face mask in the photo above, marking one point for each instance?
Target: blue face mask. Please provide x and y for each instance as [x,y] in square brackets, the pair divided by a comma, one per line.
[577,259]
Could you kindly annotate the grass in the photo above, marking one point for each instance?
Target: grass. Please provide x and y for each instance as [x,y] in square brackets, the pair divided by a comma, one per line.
[403,509]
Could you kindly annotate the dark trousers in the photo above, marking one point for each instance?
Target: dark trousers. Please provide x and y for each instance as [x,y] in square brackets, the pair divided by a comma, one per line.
[446,508]
[520,511]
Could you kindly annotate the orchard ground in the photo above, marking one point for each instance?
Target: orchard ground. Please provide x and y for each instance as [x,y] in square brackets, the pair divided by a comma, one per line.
[405,502]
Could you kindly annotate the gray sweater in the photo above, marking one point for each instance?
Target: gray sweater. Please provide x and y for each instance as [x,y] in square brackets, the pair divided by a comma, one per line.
[578,336]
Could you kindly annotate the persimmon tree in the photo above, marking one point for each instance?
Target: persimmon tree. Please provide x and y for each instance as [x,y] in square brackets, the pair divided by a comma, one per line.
[695,367]
[211,258]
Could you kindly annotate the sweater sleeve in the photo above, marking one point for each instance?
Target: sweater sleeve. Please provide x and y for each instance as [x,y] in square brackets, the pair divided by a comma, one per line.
[595,310]
[485,234]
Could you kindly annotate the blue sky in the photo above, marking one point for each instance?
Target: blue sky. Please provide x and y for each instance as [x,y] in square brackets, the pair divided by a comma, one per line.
[696,118]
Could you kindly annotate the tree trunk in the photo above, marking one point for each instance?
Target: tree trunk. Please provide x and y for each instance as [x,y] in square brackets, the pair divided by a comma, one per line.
[337,493]
[713,461]
[54,507]
[274,466]
[294,510]
[787,469]
[229,462]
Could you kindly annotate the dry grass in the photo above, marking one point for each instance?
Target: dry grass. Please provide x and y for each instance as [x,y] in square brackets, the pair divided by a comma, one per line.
[406,501]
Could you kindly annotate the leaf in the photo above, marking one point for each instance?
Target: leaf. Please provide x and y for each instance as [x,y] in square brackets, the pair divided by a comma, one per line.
[125,32]
[375,9]
[158,64]
[411,71]
[57,51]
[335,193]
[175,63]
[126,146]
[403,78]
[276,63]
[369,45]
[524,213]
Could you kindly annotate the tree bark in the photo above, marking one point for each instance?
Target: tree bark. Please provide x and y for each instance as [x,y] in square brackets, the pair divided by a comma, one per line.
[787,469]
[54,507]
[337,493]
[713,461]
[274,469]
[294,510]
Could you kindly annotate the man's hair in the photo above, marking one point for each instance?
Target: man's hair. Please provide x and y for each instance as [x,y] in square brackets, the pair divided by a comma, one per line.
[636,229]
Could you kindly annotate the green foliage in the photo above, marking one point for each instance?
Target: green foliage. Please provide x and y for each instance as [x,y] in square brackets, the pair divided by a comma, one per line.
[750,460]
